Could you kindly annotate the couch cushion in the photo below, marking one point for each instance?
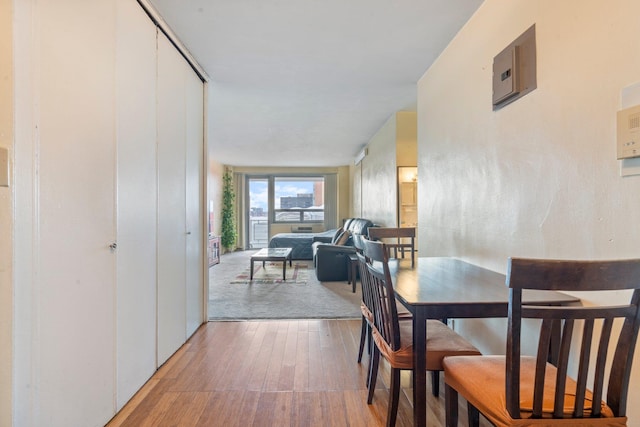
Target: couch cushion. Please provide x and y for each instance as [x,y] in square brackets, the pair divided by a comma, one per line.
[358,226]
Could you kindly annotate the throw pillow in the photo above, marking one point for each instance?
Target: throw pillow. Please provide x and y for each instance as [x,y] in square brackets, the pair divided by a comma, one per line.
[344,237]
[336,236]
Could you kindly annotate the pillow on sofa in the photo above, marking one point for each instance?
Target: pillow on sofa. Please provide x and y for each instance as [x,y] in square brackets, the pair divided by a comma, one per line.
[344,237]
[336,236]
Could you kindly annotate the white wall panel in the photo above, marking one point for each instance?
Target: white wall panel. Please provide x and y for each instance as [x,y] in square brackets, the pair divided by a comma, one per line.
[136,199]
[171,200]
[73,341]
[194,201]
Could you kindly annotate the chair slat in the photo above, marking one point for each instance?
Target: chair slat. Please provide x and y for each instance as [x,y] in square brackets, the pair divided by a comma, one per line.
[583,368]
[541,365]
[563,365]
[601,360]
[514,329]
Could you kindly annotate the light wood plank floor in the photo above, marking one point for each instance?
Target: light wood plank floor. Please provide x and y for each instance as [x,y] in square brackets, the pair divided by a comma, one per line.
[269,373]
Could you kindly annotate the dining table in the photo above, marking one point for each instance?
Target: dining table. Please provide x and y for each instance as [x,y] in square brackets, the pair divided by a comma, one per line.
[450,288]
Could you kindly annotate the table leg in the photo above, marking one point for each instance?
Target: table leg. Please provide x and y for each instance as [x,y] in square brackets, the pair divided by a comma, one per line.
[419,373]
[284,270]
[251,274]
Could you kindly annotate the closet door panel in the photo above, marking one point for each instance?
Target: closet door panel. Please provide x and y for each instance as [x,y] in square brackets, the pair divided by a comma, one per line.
[194,202]
[136,199]
[172,231]
[73,301]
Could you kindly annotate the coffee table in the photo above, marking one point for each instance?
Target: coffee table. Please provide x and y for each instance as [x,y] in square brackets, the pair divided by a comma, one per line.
[272,254]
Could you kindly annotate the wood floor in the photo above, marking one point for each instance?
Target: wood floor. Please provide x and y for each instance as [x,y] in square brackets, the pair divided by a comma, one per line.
[269,373]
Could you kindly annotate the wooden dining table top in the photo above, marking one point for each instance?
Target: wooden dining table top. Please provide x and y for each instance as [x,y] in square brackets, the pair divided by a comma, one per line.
[450,287]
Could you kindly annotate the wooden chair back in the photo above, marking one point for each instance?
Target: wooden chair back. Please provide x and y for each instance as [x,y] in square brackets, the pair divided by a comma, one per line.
[579,326]
[395,238]
[383,300]
[365,284]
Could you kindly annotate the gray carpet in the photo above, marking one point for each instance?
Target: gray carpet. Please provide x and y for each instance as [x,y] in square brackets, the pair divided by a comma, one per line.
[233,299]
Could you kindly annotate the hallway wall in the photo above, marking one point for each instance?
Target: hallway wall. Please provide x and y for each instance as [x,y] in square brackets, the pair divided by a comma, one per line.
[539,177]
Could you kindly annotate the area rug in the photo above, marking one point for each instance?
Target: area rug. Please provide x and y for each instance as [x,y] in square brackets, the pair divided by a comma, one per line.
[272,273]
[233,297]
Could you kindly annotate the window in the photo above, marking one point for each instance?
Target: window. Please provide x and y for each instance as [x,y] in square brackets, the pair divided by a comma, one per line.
[298,199]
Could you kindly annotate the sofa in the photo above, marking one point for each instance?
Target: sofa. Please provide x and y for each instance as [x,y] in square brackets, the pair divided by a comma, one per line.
[331,258]
[300,243]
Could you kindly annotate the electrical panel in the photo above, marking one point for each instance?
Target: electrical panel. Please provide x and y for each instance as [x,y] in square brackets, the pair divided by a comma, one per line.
[629,132]
[514,70]
[506,75]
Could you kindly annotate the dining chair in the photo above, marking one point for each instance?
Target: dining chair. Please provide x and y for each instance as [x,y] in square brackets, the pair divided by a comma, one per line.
[393,339]
[396,238]
[366,307]
[517,389]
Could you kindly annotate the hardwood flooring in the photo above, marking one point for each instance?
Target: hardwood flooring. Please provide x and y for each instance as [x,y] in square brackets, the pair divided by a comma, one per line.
[269,373]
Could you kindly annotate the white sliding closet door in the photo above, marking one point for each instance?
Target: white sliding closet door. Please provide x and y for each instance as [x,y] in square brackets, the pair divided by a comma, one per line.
[136,199]
[194,201]
[172,226]
[72,303]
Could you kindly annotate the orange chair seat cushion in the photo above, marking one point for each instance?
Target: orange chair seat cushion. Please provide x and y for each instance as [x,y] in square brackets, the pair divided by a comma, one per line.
[481,380]
[441,341]
[402,315]
[366,313]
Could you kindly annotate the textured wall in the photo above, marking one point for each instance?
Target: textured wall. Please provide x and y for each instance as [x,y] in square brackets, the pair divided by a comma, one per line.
[379,185]
[538,178]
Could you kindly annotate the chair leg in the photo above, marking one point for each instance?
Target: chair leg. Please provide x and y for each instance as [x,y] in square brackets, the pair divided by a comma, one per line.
[435,383]
[370,345]
[451,406]
[394,397]
[373,374]
[474,415]
[363,338]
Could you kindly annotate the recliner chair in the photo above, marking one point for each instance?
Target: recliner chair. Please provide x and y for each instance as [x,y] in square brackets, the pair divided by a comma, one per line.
[330,259]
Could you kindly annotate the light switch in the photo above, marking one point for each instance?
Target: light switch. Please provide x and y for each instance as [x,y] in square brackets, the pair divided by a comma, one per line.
[4,167]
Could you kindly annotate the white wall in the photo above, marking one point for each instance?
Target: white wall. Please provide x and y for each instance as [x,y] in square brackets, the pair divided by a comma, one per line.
[374,180]
[379,184]
[6,220]
[538,178]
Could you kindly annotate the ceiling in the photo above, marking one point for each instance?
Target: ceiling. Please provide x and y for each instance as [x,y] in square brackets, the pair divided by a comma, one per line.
[309,82]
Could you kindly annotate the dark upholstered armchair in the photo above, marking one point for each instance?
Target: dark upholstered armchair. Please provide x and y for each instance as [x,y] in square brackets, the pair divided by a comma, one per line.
[330,259]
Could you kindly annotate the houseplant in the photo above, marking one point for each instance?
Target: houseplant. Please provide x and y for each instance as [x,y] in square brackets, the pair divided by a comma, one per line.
[229,234]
